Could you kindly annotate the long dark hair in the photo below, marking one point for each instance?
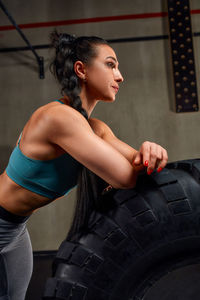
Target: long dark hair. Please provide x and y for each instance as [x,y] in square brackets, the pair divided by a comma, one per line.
[69,49]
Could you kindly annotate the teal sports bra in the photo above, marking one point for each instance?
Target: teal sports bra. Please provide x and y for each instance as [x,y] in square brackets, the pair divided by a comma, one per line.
[50,178]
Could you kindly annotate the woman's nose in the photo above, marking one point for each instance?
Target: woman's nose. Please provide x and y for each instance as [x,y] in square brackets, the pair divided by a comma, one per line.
[118,76]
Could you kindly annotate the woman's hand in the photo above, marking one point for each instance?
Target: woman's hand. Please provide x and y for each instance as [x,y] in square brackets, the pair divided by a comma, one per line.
[152,156]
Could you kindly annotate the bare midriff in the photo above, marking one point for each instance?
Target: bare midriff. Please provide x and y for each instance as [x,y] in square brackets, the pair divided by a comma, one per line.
[17,199]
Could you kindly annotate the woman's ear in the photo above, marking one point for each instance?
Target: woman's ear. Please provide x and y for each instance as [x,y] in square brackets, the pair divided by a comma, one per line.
[80,70]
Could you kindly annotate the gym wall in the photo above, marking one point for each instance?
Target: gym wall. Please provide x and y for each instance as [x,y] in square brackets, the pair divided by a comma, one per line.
[143,107]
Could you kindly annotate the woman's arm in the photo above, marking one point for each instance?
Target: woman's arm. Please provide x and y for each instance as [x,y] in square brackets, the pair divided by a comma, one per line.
[71,131]
[150,154]
[104,132]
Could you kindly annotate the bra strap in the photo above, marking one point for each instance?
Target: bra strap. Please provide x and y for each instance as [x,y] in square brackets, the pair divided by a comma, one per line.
[59,101]
[19,138]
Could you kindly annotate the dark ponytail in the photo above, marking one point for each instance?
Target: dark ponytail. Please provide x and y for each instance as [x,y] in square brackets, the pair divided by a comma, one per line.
[63,68]
[69,49]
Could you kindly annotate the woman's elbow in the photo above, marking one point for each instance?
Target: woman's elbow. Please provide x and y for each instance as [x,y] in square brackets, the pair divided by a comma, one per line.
[130,180]
[127,178]
[129,185]
[125,184]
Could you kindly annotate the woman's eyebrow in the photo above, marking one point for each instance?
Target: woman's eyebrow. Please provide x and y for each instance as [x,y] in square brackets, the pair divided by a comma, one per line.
[112,58]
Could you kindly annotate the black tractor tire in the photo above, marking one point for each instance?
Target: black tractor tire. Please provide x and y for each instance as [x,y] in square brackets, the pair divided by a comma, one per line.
[141,249]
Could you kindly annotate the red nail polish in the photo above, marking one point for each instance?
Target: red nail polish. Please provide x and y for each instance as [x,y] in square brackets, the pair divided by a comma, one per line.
[149,172]
[146,163]
[159,170]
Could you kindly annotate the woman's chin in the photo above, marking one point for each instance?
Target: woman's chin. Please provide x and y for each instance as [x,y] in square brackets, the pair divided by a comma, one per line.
[109,99]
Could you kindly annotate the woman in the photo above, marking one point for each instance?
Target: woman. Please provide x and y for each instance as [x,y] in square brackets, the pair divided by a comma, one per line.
[57,140]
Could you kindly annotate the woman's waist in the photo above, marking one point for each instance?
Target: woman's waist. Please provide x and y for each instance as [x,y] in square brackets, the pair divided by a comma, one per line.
[17,199]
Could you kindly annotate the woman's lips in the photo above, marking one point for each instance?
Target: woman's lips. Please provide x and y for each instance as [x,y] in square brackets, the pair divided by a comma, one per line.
[116,88]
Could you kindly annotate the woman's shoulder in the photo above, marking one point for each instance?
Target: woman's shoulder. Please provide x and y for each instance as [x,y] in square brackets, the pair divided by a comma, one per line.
[54,117]
[58,112]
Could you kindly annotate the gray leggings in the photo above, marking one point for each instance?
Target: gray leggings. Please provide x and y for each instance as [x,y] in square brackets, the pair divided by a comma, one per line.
[16,260]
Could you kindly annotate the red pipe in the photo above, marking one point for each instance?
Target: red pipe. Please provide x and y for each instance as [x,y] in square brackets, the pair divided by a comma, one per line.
[92,20]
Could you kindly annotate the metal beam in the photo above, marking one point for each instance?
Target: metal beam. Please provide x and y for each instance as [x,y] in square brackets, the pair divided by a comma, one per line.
[182,56]
[39,59]
[111,41]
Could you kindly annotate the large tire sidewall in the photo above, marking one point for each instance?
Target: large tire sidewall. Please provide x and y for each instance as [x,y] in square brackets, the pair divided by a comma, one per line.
[150,231]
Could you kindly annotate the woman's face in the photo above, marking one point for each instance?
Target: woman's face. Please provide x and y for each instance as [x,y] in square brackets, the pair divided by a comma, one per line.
[102,75]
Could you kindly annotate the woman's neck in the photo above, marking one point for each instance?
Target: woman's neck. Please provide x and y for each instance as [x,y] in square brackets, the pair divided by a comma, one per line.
[87,103]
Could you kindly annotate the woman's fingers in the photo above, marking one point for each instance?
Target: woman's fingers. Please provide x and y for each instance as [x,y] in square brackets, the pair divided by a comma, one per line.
[138,159]
[164,160]
[153,156]
[145,150]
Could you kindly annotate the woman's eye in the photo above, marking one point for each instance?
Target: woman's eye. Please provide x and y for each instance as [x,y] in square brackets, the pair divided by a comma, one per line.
[111,64]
